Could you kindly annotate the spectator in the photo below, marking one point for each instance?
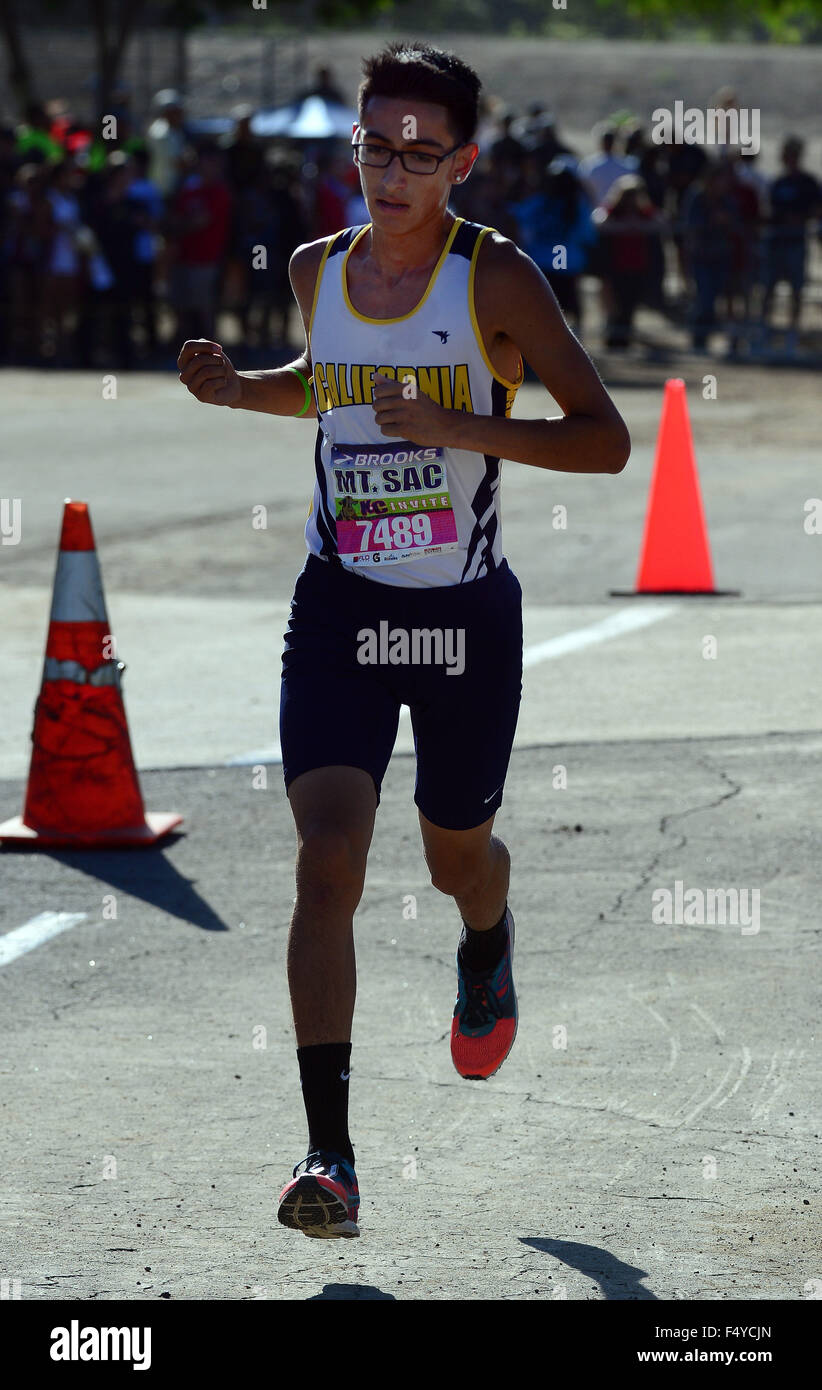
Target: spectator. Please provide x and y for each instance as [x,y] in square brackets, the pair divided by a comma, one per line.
[652,165]
[529,186]
[332,192]
[8,168]
[147,220]
[323,86]
[166,142]
[726,100]
[116,223]
[35,143]
[201,227]
[538,134]
[745,258]
[31,233]
[96,285]
[795,198]
[62,267]
[269,215]
[60,121]
[506,150]
[747,170]
[547,145]
[710,215]
[291,225]
[244,157]
[686,164]
[556,228]
[10,160]
[123,136]
[484,197]
[631,228]
[492,109]
[600,171]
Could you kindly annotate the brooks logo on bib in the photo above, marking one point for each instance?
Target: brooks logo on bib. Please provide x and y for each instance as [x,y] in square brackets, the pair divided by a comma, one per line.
[391,503]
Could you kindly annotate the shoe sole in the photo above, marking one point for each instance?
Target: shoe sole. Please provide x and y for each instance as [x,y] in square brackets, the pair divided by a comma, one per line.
[504,1059]
[311,1208]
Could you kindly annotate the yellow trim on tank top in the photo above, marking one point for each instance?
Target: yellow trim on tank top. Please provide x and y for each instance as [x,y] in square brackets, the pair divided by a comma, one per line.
[400,317]
[318,281]
[512,385]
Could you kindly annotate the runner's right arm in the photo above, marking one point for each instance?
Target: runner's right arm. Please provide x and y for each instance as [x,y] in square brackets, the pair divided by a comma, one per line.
[212,379]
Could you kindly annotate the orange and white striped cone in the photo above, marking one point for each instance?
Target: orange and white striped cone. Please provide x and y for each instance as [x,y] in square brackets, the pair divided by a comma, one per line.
[83,790]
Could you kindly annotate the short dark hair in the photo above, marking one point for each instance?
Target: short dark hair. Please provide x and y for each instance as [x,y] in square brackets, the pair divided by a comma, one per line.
[416,70]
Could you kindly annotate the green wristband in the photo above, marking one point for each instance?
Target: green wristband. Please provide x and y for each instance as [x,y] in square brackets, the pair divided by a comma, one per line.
[307,392]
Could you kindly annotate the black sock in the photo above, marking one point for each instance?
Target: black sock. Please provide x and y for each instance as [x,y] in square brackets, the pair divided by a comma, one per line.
[324,1073]
[483,950]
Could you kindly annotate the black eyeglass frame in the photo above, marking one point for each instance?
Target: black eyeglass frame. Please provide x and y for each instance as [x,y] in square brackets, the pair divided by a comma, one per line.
[400,154]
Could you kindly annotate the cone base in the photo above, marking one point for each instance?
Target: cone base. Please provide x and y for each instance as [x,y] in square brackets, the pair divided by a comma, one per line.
[676,593]
[157,824]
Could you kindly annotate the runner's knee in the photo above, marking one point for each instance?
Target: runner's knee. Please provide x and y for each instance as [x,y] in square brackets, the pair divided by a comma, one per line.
[461,872]
[330,867]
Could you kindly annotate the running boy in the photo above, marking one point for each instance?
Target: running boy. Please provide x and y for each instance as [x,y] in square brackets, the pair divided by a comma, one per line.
[416,325]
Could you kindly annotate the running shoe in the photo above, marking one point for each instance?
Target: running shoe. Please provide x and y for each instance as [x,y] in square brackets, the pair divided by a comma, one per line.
[485,1016]
[324,1200]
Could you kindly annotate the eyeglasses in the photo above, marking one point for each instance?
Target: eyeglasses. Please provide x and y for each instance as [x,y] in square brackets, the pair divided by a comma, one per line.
[412,161]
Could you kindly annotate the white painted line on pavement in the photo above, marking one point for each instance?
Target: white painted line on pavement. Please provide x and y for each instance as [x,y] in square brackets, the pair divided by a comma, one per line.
[615,625]
[41,928]
[274,754]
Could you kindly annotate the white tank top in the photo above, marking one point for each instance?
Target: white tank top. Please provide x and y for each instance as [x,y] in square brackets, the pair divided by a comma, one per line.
[386,508]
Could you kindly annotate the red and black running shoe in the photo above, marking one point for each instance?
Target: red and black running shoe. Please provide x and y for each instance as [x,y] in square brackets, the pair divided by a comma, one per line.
[323,1201]
[485,1016]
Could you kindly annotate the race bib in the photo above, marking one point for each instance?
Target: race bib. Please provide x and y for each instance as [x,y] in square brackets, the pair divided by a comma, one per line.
[391,503]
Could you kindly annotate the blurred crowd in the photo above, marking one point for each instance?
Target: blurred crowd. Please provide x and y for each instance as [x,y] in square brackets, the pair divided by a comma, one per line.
[697,233]
[115,248]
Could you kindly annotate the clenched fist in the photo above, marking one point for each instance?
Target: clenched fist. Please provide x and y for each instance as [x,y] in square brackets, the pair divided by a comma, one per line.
[404,412]
[208,374]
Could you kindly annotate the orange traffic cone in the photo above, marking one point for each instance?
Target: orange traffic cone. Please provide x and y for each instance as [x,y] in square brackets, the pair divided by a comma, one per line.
[675,556]
[83,790]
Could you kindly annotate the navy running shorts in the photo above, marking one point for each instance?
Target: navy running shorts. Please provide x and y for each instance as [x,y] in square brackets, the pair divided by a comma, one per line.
[356,650]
